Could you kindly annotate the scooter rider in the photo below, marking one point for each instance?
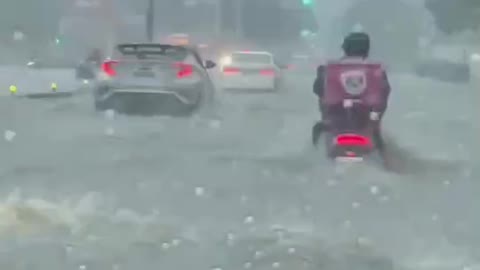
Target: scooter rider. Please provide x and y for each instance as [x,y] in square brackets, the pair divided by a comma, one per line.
[356,47]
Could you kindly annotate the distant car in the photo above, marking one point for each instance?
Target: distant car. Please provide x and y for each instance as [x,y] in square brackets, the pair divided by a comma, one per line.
[445,63]
[252,70]
[154,78]
[180,39]
[88,68]
[303,63]
[444,70]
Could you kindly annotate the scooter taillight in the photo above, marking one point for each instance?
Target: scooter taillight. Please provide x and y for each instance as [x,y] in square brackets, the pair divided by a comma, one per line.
[353,140]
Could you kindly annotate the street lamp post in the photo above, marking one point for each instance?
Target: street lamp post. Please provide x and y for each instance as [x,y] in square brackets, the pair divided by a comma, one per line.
[218,17]
[239,18]
[150,20]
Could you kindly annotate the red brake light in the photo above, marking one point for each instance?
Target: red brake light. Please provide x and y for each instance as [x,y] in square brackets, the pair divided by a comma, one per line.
[267,72]
[230,71]
[351,154]
[183,70]
[353,140]
[109,68]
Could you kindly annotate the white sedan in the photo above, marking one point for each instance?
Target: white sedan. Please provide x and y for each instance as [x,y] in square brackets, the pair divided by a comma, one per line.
[255,71]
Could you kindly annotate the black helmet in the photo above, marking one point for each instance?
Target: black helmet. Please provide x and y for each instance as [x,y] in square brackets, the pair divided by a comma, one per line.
[356,44]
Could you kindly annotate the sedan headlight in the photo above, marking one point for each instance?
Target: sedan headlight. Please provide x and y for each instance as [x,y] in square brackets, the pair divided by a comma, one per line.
[226,60]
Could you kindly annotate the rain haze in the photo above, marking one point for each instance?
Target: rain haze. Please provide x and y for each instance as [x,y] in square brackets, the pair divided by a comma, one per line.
[239,187]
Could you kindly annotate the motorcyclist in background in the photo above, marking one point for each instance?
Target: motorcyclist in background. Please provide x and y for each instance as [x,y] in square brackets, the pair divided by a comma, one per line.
[356,47]
[86,69]
[95,56]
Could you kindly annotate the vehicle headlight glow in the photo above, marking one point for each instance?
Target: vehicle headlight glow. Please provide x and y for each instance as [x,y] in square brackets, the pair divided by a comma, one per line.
[475,57]
[226,60]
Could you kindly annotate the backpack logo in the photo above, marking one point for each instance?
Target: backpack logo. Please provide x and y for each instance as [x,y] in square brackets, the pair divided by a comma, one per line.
[354,81]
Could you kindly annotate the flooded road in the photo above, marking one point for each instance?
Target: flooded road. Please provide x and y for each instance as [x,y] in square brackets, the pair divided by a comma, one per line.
[245,191]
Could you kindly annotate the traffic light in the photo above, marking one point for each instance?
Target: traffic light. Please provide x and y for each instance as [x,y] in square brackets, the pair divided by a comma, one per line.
[58,40]
[307,2]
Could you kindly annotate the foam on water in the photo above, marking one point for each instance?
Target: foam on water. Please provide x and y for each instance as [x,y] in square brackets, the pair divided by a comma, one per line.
[78,219]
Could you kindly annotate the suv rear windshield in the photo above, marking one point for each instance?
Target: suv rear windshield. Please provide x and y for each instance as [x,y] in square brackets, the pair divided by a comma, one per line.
[153,51]
[251,58]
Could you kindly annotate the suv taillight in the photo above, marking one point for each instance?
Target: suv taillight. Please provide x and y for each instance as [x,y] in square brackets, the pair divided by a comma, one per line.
[183,70]
[108,67]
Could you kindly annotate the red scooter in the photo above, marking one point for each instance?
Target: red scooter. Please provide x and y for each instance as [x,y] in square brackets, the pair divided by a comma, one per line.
[350,131]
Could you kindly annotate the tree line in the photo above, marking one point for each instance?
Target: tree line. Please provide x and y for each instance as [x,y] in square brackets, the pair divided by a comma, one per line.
[452,16]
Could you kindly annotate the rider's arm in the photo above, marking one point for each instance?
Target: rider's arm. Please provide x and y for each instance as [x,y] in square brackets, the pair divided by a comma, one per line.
[386,90]
[381,107]
[386,84]
[318,85]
